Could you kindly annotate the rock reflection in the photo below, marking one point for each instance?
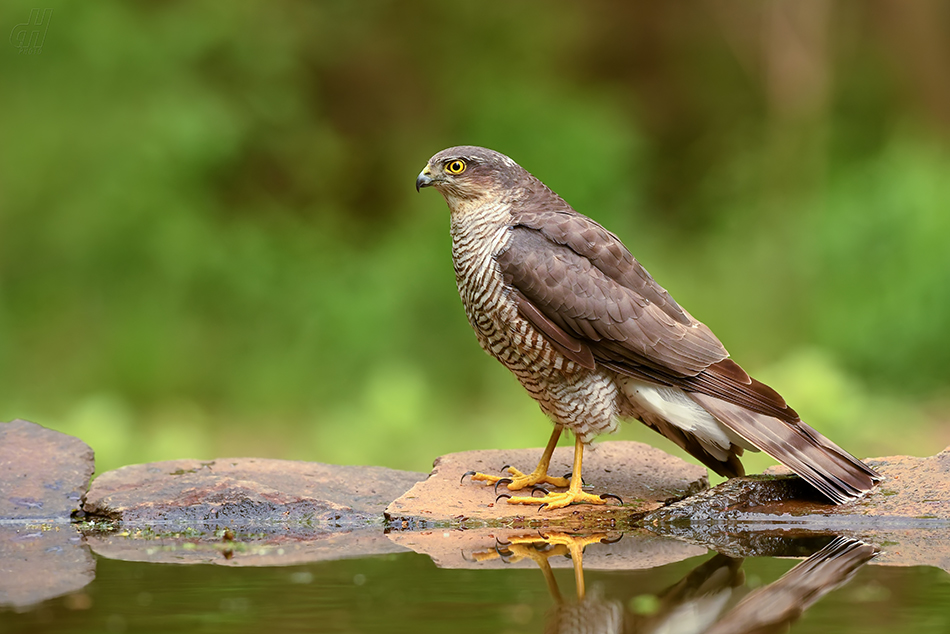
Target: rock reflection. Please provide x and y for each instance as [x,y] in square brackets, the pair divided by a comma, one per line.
[41,561]
[709,599]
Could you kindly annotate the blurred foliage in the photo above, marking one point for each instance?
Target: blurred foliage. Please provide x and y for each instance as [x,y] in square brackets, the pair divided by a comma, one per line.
[210,243]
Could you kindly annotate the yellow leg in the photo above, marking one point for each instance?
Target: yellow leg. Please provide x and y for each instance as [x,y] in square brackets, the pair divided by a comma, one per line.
[573,495]
[577,558]
[540,475]
[528,548]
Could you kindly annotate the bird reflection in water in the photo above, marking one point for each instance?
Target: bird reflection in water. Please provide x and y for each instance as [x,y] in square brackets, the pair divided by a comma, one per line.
[708,600]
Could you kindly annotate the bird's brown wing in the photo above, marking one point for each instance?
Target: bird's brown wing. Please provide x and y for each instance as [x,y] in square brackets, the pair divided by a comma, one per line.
[579,286]
[577,283]
[585,282]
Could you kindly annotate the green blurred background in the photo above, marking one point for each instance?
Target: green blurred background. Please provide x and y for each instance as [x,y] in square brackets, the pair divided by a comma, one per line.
[210,243]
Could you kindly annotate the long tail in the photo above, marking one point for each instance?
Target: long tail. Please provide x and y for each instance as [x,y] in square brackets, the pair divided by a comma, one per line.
[826,466]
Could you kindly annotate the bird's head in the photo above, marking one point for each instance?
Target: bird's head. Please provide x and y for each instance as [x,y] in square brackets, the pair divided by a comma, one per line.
[468,172]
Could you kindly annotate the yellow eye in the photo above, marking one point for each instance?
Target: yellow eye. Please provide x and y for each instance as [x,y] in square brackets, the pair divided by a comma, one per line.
[455,167]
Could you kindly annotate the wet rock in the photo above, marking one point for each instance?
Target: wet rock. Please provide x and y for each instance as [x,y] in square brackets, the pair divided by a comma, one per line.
[246,492]
[736,498]
[277,548]
[43,473]
[485,549]
[907,516]
[913,488]
[644,477]
[913,491]
[40,562]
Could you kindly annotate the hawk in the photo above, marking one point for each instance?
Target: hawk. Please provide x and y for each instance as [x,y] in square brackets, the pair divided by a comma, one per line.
[562,303]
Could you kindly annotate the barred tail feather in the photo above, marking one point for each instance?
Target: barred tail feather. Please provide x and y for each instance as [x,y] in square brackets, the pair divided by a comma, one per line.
[826,466]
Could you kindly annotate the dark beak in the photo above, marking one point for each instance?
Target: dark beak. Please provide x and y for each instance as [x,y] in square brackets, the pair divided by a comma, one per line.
[423,180]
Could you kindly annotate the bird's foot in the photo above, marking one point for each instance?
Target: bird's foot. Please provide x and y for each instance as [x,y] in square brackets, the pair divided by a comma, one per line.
[516,480]
[557,500]
[516,549]
[556,539]
[539,546]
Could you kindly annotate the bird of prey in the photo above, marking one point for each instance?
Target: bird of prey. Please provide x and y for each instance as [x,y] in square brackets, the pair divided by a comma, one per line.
[562,303]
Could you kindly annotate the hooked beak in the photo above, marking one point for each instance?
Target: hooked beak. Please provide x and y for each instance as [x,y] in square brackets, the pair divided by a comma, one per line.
[424,179]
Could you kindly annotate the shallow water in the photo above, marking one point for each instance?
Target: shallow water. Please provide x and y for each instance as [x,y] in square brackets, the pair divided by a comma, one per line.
[406,592]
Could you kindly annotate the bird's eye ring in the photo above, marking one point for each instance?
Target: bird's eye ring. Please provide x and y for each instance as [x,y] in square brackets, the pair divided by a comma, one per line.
[455,167]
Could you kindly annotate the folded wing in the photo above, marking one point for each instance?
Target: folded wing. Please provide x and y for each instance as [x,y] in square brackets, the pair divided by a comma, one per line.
[579,285]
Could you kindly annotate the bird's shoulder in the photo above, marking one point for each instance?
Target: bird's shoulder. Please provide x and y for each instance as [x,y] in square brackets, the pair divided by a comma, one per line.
[579,284]
[556,223]
[568,269]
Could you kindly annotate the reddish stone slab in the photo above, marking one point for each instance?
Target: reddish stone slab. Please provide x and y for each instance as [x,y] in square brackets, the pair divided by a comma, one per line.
[246,492]
[913,490]
[43,473]
[643,476]
[907,515]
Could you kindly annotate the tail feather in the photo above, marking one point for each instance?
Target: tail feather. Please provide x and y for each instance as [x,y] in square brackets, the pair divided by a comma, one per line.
[725,463]
[826,466]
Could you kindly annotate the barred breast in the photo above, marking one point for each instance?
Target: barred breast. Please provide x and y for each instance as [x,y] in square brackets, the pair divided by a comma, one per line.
[585,401]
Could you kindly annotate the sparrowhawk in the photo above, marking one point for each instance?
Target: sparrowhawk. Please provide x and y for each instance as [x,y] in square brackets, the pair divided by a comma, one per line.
[562,303]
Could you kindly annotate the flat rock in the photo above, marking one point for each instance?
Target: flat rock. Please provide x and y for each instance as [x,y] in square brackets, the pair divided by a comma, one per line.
[914,491]
[246,492]
[40,562]
[643,476]
[485,548]
[43,473]
[913,488]
[277,548]
[907,516]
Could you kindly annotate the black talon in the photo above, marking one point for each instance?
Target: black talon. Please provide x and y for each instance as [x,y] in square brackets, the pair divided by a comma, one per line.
[611,541]
[498,543]
[537,488]
[607,496]
[503,495]
[542,506]
[467,473]
[570,476]
[502,481]
[506,467]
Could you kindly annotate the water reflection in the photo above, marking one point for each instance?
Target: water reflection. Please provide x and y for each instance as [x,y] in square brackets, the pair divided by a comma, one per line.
[709,599]
[41,561]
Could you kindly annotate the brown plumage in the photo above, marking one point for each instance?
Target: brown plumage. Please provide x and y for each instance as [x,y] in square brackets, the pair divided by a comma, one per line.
[562,303]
